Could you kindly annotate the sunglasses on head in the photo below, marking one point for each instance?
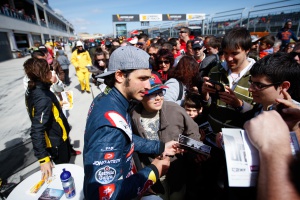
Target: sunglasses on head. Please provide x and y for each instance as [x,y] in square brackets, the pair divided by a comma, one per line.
[163,61]
[182,31]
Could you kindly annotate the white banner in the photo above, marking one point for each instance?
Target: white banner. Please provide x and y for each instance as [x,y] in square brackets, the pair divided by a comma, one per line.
[150,17]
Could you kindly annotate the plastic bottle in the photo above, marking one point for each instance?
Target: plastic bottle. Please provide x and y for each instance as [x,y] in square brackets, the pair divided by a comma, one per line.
[68,183]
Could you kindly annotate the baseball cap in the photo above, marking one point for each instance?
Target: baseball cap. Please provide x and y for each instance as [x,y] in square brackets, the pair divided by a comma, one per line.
[254,38]
[155,84]
[132,40]
[43,49]
[198,43]
[125,58]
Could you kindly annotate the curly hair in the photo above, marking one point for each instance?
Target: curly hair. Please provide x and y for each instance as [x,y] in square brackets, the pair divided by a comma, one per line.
[186,71]
[37,71]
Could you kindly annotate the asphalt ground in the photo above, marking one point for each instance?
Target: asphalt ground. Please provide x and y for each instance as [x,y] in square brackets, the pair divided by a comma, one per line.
[15,123]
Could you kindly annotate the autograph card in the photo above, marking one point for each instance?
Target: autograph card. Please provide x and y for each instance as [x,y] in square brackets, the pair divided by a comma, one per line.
[194,145]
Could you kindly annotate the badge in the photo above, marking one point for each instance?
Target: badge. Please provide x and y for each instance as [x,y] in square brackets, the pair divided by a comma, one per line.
[105,175]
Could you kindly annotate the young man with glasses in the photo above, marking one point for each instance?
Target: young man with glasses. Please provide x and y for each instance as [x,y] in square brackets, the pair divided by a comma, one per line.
[160,120]
[109,141]
[272,78]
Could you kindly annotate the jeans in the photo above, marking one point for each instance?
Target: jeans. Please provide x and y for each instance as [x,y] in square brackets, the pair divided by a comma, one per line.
[67,79]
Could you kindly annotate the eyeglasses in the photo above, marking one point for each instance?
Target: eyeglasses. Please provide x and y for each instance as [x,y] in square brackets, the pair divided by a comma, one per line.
[160,93]
[152,54]
[260,86]
[163,61]
[100,60]
[182,31]
[140,44]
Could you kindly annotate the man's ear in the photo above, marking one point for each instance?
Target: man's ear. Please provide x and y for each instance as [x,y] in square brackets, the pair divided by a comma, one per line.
[285,85]
[119,76]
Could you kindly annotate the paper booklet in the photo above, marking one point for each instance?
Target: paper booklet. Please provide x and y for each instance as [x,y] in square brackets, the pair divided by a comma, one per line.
[242,158]
[51,194]
[194,145]
[67,102]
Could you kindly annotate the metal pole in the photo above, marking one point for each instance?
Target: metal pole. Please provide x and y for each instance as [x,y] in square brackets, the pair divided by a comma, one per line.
[297,33]
[248,20]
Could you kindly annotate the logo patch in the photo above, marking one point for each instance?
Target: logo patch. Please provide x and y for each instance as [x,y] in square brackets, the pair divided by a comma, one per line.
[106,162]
[109,156]
[105,175]
[106,191]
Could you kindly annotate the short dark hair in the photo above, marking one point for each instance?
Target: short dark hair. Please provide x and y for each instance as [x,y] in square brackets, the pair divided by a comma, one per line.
[110,79]
[37,53]
[268,39]
[277,68]
[192,100]
[237,38]
[36,70]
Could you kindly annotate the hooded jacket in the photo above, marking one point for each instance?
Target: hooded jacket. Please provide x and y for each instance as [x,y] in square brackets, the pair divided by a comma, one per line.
[63,60]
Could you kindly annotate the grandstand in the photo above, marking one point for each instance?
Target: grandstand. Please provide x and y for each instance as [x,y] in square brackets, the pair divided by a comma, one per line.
[261,18]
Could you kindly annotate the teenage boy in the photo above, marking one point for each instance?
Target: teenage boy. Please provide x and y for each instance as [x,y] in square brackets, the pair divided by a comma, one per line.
[160,120]
[225,105]
[274,77]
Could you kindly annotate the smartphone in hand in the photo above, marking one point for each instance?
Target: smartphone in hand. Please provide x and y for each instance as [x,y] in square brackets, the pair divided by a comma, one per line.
[217,85]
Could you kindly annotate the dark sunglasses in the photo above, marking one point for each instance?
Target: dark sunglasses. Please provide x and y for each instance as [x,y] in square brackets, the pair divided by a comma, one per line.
[101,60]
[163,61]
[260,86]
[152,54]
[140,44]
[182,31]
[79,46]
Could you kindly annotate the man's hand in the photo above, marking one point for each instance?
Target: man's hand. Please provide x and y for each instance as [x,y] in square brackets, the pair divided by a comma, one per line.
[207,88]
[46,169]
[268,131]
[172,148]
[229,98]
[162,165]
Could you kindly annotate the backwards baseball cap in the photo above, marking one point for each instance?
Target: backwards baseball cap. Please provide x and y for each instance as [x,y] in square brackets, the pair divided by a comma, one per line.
[126,58]
[43,49]
[155,84]
[132,40]
[198,43]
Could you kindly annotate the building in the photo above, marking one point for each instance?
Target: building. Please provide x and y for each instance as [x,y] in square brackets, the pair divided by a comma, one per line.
[23,22]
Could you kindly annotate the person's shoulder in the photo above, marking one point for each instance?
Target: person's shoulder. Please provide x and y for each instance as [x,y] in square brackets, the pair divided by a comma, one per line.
[171,81]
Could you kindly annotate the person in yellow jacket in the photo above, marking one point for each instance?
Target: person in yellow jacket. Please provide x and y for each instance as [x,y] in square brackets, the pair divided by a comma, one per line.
[80,59]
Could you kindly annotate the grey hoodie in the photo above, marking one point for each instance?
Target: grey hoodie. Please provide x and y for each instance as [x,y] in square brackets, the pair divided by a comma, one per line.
[63,60]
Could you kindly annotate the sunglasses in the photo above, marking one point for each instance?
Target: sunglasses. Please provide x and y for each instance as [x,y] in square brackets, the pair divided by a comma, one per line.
[163,61]
[182,31]
[159,93]
[100,60]
[260,86]
[140,43]
[79,46]
[152,54]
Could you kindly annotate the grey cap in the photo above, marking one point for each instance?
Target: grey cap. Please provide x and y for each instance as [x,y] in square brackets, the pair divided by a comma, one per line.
[127,57]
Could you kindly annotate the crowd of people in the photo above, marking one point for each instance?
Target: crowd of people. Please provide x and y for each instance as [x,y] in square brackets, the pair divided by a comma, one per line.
[157,89]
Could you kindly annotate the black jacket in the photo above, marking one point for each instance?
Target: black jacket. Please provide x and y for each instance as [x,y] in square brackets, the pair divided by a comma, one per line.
[49,126]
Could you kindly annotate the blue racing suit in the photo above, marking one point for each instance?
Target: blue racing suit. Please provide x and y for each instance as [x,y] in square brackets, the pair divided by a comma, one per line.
[108,147]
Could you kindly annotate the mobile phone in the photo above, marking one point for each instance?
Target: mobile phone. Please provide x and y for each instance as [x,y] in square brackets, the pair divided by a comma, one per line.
[217,85]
